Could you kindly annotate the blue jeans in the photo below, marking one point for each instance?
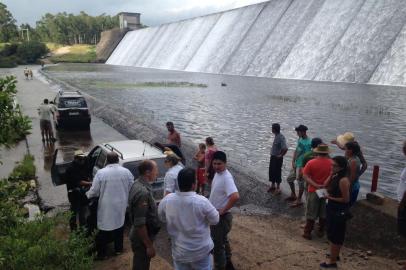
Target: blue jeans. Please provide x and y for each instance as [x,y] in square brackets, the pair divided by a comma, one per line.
[203,264]
[354,193]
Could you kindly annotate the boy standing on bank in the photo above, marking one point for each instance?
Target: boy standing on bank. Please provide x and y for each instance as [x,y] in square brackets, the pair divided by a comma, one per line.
[278,150]
[223,196]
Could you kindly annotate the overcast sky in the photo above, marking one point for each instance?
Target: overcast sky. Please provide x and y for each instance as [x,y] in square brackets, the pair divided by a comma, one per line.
[153,12]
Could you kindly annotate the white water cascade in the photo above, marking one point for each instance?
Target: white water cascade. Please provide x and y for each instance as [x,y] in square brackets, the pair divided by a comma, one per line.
[360,41]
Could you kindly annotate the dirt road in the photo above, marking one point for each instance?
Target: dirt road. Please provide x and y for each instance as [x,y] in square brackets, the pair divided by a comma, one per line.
[266,242]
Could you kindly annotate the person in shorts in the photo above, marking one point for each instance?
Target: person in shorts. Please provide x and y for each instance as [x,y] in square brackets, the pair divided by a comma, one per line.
[303,146]
[278,150]
[316,173]
[46,111]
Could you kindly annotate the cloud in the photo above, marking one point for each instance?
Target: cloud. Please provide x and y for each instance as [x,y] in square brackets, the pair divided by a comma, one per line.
[153,12]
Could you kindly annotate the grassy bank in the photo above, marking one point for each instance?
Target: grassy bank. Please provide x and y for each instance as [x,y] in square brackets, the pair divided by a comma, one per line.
[44,243]
[72,54]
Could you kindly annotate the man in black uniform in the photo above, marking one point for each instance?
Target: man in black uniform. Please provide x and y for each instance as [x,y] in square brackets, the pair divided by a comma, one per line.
[77,182]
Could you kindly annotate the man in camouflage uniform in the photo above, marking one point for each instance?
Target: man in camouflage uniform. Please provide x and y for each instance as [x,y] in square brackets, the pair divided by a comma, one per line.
[144,216]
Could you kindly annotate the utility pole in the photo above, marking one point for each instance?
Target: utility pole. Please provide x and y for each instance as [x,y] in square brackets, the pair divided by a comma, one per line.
[28,33]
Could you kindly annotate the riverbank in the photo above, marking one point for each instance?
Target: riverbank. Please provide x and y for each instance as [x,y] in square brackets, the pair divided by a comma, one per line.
[267,237]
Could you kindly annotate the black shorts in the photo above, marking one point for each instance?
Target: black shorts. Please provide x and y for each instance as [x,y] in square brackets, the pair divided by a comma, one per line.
[402,221]
[275,169]
[336,225]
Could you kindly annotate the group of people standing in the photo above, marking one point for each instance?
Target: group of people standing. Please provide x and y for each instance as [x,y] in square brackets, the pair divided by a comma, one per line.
[197,225]
[28,73]
[46,113]
[330,185]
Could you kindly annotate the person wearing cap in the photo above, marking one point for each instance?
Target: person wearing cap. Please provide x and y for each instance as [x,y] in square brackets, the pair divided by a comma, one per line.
[342,139]
[317,173]
[77,182]
[173,164]
[278,150]
[173,135]
[188,217]
[111,185]
[223,196]
[303,146]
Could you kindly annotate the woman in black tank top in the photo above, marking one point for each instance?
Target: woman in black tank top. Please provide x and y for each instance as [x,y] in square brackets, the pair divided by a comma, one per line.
[338,197]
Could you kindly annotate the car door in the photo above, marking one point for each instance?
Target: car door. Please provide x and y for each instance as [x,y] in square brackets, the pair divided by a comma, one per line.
[100,162]
[59,167]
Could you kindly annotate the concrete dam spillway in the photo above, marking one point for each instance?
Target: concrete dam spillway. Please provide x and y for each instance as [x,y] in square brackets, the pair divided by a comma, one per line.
[359,41]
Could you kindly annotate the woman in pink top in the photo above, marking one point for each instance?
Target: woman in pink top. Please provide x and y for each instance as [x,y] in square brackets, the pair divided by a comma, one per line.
[208,157]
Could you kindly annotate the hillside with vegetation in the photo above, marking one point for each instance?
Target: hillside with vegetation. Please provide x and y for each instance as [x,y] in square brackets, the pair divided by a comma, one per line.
[64,37]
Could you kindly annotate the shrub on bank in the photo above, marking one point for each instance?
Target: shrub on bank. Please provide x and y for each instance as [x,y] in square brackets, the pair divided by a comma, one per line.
[41,244]
[25,170]
[14,126]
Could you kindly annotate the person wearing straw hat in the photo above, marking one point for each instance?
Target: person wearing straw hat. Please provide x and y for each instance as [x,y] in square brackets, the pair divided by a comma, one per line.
[342,140]
[317,172]
[172,162]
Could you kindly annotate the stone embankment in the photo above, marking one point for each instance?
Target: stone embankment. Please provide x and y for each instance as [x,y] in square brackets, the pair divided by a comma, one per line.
[372,228]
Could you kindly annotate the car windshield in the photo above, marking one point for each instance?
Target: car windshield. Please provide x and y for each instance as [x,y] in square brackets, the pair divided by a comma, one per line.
[133,167]
[72,102]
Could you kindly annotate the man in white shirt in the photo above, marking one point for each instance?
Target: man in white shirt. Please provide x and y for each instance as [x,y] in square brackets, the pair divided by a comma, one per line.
[46,111]
[112,185]
[172,162]
[188,216]
[223,196]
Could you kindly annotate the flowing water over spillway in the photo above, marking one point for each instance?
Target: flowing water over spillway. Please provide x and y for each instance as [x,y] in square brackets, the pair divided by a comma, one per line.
[325,40]
[239,115]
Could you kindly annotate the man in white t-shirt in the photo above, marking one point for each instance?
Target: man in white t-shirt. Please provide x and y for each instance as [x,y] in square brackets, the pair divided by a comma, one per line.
[223,196]
[46,111]
[188,216]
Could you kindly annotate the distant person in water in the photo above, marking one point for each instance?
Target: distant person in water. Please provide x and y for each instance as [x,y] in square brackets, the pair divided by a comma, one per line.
[278,150]
[341,140]
[173,135]
[402,202]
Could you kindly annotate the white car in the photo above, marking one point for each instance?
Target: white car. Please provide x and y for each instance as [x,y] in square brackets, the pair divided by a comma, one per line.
[131,153]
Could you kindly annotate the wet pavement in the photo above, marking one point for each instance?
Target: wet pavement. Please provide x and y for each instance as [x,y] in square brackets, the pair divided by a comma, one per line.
[31,94]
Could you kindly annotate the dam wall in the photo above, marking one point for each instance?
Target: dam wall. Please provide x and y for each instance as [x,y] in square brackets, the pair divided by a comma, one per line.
[357,41]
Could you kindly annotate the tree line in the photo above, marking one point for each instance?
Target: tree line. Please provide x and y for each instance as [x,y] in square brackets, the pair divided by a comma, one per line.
[60,28]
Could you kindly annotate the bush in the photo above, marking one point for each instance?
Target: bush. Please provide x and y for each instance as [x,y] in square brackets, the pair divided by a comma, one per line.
[14,126]
[9,49]
[44,243]
[8,62]
[31,51]
[25,170]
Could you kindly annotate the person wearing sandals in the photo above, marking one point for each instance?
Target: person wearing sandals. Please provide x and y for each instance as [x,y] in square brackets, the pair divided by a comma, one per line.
[316,173]
[338,196]
[278,150]
[303,146]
